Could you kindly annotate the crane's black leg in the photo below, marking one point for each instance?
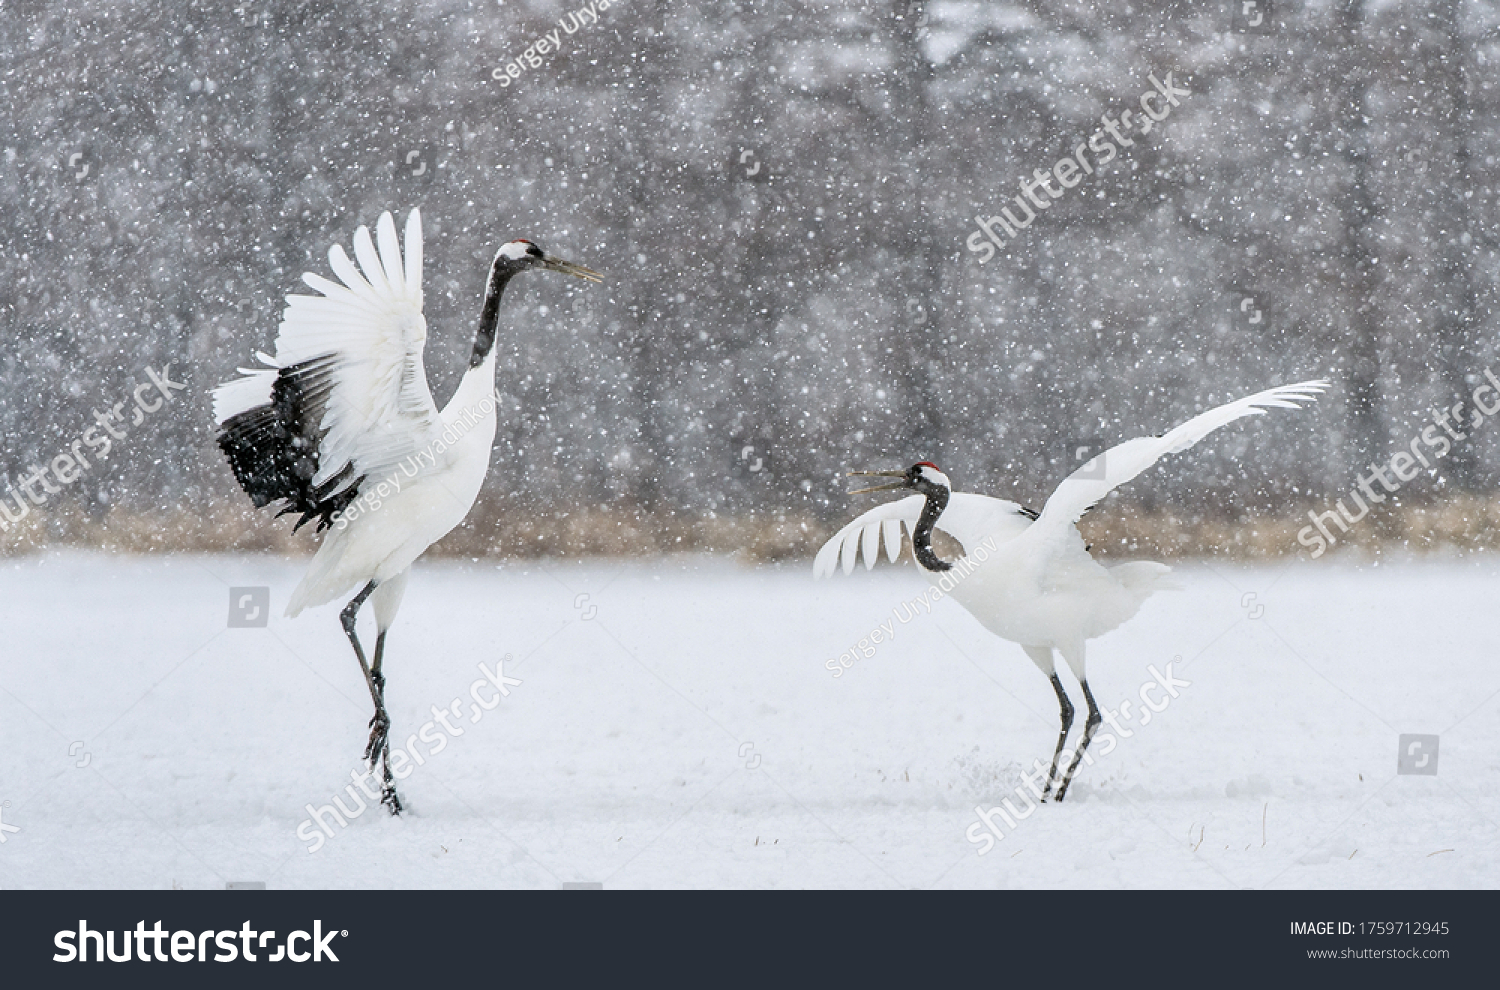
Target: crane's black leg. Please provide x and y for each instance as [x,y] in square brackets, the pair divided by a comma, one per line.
[380,724]
[1065,709]
[347,617]
[379,737]
[378,728]
[1088,733]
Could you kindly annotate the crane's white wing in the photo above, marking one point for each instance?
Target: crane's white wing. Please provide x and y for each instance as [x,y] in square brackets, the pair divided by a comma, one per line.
[968,519]
[1083,489]
[345,397]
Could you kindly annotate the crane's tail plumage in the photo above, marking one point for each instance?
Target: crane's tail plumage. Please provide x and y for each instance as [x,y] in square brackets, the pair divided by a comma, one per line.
[1144,578]
[331,574]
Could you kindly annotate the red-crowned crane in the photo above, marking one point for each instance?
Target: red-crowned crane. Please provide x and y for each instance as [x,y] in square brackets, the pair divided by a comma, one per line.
[340,425]
[1040,588]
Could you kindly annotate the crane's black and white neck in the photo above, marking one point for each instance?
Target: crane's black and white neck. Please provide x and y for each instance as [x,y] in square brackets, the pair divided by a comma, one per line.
[926,480]
[932,485]
[512,259]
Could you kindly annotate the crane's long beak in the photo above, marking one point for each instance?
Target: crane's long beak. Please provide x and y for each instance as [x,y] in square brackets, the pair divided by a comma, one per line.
[891,487]
[569,268]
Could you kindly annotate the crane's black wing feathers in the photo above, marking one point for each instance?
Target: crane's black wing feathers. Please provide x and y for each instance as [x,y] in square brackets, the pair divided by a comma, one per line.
[273,448]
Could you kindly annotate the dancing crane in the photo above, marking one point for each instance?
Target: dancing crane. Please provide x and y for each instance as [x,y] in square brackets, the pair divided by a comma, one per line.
[340,426]
[1041,588]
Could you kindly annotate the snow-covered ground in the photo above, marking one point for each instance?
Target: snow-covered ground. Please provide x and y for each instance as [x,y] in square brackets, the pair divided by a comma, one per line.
[676,726]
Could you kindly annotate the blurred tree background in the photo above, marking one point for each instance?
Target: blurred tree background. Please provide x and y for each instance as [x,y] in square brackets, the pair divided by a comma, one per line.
[779,194]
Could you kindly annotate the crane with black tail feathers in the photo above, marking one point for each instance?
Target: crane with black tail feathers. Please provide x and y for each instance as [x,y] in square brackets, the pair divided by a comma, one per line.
[339,425]
[1041,588]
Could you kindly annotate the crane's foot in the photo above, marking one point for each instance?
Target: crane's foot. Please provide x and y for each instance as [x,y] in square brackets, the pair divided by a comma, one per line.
[380,727]
[391,800]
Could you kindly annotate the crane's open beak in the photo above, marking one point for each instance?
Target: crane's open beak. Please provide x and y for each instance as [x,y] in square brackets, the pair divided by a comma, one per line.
[569,268]
[891,487]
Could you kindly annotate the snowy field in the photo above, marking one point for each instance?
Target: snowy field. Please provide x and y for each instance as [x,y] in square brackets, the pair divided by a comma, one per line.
[677,727]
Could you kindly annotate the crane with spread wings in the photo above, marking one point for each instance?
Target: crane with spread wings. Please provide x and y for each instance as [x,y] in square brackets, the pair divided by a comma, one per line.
[1041,588]
[339,425]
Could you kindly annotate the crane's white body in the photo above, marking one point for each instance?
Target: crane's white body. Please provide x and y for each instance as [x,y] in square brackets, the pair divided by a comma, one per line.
[430,493]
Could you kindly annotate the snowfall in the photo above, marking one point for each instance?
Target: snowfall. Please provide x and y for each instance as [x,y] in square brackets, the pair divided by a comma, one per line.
[676,724]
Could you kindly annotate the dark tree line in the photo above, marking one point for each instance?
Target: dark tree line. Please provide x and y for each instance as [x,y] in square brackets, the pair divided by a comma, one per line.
[780,194]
